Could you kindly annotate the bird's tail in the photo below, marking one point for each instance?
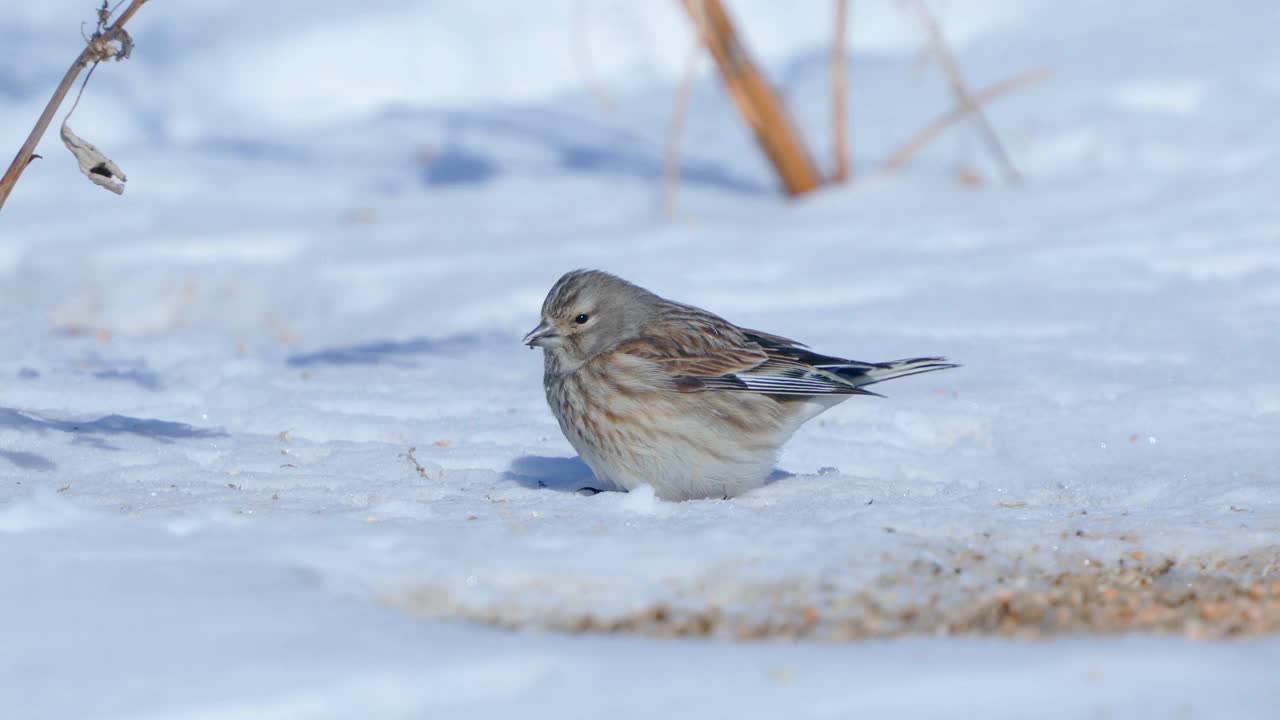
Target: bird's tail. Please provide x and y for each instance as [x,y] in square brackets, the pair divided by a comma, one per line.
[861,374]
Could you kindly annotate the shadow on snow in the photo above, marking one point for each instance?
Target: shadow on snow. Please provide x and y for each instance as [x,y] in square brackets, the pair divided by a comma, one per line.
[384,352]
[92,431]
[571,474]
[28,461]
[576,145]
[561,474]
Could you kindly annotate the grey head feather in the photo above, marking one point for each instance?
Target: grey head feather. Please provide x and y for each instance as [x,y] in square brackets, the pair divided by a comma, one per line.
[615,312]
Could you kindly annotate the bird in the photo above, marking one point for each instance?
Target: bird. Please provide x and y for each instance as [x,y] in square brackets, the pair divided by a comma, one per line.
[652,391]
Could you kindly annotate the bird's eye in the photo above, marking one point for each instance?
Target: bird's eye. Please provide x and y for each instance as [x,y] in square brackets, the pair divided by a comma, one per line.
[582,319]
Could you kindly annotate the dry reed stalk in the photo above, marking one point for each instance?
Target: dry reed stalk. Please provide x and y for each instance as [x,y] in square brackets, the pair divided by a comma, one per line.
[585,62]
[843,170]
[671,163]
[923,137]
[964,99]
[753,97]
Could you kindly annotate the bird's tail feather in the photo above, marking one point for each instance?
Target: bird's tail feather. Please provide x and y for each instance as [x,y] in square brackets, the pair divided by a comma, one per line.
[860,374]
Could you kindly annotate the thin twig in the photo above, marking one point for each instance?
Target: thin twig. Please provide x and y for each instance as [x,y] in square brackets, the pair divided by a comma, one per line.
[963,97]
[923,137]
[582,53]
[76,103]
[422,472]
[93,52]
[671,163]
[839,129]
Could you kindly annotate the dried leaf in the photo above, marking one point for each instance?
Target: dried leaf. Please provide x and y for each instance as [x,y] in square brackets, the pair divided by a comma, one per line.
[97,167]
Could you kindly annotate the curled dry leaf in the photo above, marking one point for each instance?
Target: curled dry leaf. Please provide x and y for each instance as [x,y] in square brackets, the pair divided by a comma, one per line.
[97,167]
[101,46]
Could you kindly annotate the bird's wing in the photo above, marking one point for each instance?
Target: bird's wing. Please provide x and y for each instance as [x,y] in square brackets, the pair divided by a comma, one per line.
[765,338]
[703,352]
[852,372]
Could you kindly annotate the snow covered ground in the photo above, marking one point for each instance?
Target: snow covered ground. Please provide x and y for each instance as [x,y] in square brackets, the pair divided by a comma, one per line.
[270,448]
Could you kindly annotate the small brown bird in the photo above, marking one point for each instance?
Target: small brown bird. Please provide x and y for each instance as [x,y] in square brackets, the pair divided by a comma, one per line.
[653,391]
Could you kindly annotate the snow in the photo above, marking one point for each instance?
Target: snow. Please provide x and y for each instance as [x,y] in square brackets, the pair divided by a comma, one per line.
[269,445]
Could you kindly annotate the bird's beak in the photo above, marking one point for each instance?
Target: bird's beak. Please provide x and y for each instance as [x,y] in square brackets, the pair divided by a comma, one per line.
[542,336]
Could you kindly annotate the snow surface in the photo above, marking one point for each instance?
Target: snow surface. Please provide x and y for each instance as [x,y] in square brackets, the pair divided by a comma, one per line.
[218,390]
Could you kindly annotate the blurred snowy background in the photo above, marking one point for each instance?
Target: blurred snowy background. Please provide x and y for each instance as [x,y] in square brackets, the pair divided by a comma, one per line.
[270,448]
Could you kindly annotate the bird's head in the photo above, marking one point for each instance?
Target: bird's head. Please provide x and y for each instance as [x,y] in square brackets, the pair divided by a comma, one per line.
[588,312]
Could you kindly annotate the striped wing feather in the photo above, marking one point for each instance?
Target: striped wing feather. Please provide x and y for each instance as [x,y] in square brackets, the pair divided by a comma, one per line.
[705,353]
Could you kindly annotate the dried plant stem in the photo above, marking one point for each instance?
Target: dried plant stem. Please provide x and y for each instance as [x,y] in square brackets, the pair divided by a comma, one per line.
[91,53]
[917,142]
[671,163]
[842,171]
[582,54]
[964,99]
[755,100]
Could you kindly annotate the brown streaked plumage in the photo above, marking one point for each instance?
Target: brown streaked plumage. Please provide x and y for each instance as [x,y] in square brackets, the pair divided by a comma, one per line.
[648,390]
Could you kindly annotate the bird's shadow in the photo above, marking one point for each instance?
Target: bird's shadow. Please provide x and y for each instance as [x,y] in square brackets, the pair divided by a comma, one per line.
[571,474]
[561,474]
[778,474]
